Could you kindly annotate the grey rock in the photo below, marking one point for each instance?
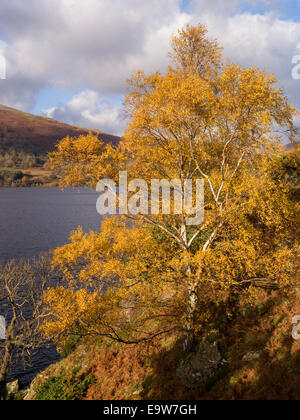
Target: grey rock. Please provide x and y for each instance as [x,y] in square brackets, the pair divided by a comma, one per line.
[12,387]
[201,365]
[255,355]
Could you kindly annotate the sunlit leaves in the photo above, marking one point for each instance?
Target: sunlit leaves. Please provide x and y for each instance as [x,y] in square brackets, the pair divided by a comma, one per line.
[201,119]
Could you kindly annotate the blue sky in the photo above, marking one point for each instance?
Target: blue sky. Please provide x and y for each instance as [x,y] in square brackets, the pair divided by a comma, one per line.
[286,9]
[49,96]
[184,5]
[70,60]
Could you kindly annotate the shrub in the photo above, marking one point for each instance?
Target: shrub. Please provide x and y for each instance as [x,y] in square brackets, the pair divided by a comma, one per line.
[60,388]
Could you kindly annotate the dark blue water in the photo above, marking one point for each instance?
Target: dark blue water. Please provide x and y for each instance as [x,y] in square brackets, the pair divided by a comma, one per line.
[35,220]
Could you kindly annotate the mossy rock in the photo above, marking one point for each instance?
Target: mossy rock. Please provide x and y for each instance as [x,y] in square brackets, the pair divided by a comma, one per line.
[201,365]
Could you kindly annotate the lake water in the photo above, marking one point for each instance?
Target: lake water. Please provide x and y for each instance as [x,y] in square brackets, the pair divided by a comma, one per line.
[35,220]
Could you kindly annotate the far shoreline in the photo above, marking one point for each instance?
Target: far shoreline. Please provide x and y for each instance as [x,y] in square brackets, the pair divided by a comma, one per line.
[37,176]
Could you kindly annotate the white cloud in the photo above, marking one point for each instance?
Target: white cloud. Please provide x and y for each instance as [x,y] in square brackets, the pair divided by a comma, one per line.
[263,40]
[89,110]
[99,43]
[95,42]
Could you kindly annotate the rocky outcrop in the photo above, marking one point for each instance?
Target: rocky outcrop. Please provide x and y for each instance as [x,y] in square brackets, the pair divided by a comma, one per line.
[12,387]
[31,391]
[201,365]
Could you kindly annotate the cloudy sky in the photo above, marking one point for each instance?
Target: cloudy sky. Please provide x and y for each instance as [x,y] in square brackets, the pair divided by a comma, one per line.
[69,59]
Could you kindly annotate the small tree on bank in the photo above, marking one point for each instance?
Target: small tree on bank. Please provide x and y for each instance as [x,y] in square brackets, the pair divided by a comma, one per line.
[22,285]
[202,119]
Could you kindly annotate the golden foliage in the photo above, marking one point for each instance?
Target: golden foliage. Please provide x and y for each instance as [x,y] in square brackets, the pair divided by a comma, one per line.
[201,119]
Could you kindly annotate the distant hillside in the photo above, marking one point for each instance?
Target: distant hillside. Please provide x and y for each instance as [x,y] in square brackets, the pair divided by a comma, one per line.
[33,134]
[290,147]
